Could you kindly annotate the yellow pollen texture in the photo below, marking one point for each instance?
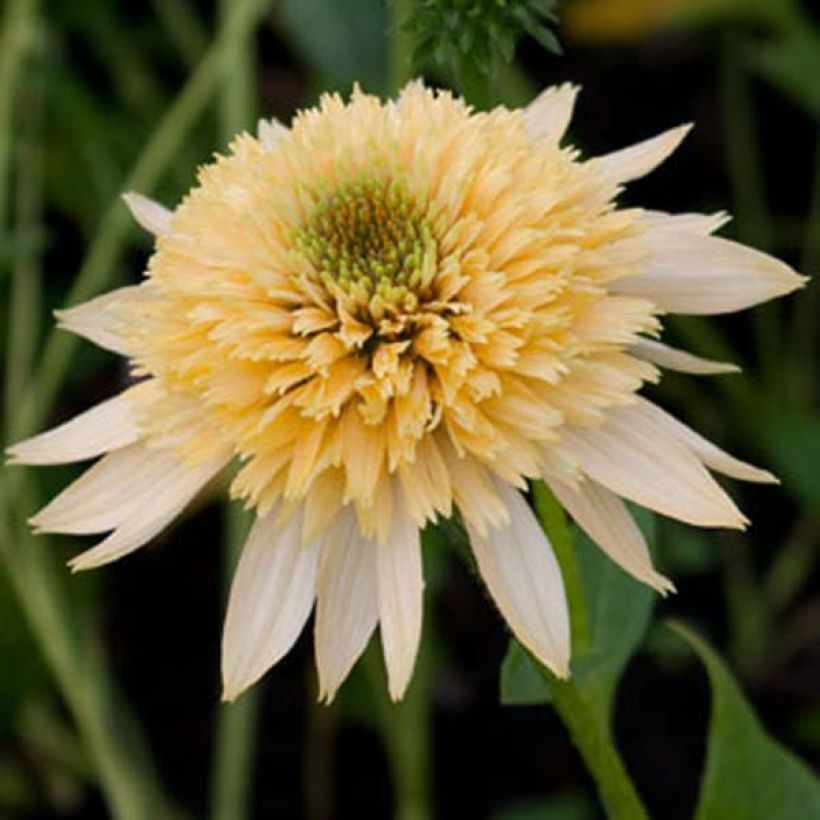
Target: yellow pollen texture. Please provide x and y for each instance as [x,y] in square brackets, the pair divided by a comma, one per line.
[391,304]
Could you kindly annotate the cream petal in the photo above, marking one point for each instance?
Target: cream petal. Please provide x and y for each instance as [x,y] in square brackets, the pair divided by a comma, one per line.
[673,359]
[107,426]
[172,495]
[606,520]
[522,575]
[271,597]
[549,114]
[347,603]
[704,275]
[269,132]
[401,599]
[641,461]
[701,224]
[152,216]
[640,159]
[710,454]
[121,484]
[95,320]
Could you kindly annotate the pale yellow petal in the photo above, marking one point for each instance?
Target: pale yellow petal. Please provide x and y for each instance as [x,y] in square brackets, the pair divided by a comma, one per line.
[271,597]
[640,159]
[671,358]
[605,519]
[517,563]
[548,116]
[152,216]
[106,426]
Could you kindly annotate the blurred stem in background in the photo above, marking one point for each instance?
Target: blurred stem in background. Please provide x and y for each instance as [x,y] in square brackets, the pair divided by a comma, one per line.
[587,723]
[236,729]
[126,777]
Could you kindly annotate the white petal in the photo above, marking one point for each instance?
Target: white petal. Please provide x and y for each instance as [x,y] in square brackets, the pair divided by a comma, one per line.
[701,224]
[347,602]
[519,568]
[271,597]
[269,132]
[710,454]
[673,359]
[152,216]
[642,461]
[605,519]
[119,485]
[401,597]
[172,495]
[107,426]
[640,159]
[96,321]
[549,114]
[704,275]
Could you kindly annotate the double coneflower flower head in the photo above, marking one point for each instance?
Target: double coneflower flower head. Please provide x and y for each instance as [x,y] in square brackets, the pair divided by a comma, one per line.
[383,313]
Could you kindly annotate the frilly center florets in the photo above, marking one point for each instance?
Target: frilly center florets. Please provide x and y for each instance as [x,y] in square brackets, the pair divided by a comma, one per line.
[371,239]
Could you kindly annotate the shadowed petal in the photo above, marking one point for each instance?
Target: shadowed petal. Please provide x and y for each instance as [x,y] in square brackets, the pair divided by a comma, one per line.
[605,519]
[519,568]
[347,604]
[271,597]
[401,598]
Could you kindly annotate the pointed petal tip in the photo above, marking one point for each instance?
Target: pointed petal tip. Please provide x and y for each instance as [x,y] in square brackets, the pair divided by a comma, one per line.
[150,215]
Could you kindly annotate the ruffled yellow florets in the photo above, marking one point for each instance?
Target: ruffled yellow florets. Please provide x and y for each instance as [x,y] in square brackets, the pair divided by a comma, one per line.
[385,297]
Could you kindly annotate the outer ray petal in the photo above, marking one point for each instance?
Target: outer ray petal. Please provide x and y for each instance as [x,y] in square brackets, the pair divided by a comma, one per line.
[640,159]
[122,484]
[152,216]
[94,320]
[347,603]
[710,454]
[701,224]
[401,599]
[642,462]
[605,519]
[517,563]
[271,597]
[673,359]
[549,114]
[107,426]
[143,523]
[705,275]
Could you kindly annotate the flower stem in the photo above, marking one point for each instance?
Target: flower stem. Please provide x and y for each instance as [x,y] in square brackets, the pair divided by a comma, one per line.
[592,737]
[586,721]
[405,730]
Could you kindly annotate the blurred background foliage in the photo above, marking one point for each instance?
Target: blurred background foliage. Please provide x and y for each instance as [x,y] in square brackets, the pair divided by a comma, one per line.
[109,682]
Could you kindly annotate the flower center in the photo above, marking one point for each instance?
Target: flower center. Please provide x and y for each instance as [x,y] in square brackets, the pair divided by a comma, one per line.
[370,238]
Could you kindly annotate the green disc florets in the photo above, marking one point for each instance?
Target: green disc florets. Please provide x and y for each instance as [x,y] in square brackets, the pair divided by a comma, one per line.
[371,238]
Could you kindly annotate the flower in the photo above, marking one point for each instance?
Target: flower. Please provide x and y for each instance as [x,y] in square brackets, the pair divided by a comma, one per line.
[385,312]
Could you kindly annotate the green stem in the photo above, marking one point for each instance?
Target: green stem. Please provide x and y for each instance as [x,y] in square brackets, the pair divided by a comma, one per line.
[236,722]
[183,25]
[587,724]
[125,775]
[554,521]
[405,730]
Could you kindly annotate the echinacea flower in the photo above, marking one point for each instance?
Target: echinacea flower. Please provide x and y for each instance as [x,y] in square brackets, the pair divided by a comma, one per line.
[383,313]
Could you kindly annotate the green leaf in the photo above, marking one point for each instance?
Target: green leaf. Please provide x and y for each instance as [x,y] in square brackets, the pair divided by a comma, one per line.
[748,775]
[345,40]
[618,609]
